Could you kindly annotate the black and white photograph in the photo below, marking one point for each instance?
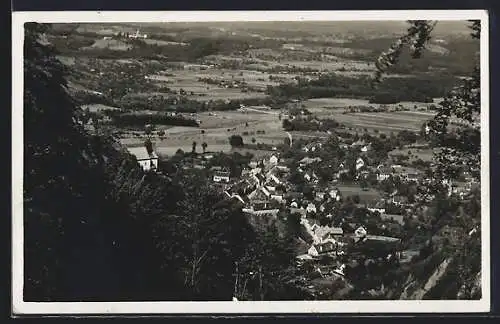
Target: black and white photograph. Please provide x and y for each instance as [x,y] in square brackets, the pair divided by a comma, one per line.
[250,162]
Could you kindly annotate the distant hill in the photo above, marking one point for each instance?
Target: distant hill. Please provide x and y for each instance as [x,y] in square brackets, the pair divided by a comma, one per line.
[443,28]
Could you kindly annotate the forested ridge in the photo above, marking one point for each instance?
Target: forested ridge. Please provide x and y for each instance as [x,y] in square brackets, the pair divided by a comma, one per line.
[97,228]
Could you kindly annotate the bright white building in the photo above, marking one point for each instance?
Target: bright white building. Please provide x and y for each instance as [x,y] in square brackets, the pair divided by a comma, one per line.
[146,161]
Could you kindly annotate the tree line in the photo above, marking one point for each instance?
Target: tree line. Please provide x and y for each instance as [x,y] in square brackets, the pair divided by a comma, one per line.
[393,90]
[139,120]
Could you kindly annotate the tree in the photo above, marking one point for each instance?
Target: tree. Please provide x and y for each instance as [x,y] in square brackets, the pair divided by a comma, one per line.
[236,141]
[204,146]
[149,146]
[363,183]
[293,224]
[86,246]
[254,140]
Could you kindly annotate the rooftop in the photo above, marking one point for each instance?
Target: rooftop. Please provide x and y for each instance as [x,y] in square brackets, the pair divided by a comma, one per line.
[141,153]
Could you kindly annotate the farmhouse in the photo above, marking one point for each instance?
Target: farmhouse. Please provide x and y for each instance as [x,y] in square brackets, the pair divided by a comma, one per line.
[147,161]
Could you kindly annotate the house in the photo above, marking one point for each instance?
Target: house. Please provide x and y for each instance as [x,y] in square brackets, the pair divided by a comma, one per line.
[321,248]
[221,176]
[376,206]
[412,176]
[271,188]
[273,159]
[359,163]
[340,270]
[283,168]
[396,218]
[399,200]
[380,238]
[380,210]
[311,208]
[360,232]
[336,231]
[319,195]
[334,194]
[365,148]
[274,179]
[309,147]
[278,196]
[265,191]
[304,257]
[408,174]
[147,160]
[137,35]
[256,171]
[326,233]
[358,143]
[307,160]
[208,156]
[236,196]
[311,177]
[383,173]
[262,212]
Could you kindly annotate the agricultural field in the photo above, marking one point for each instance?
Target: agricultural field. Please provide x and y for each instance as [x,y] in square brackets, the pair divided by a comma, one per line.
[390,121]
[365,196]
[425,155]
[387,121]
[239,64]
[111,44]
[217,127]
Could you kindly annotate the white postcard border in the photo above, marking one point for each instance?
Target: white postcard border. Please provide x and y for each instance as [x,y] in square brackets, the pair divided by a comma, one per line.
[19,307]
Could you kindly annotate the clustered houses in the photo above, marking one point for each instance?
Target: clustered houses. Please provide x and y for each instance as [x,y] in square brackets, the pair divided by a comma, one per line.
[264,189]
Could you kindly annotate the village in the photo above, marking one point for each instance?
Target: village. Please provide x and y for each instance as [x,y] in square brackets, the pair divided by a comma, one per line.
[353,214]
